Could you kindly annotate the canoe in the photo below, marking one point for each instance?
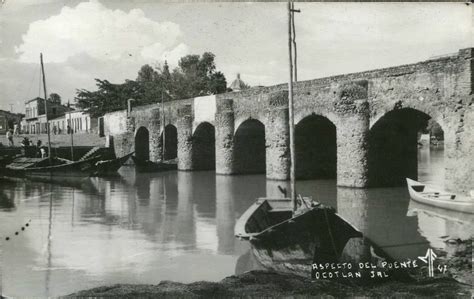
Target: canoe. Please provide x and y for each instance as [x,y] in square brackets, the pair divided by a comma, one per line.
[111,166]
[431,196]
[291,244]
[149,166]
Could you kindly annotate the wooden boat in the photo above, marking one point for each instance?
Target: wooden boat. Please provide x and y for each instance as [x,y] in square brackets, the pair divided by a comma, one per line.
[424,194]
[149,166]
[110,166]
[46,167]
[290,243]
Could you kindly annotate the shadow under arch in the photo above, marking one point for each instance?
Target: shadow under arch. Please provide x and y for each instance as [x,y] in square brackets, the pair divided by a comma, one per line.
[142,144]
[315,148]
[204,147]
[171,142]
[393,146]
[249,147]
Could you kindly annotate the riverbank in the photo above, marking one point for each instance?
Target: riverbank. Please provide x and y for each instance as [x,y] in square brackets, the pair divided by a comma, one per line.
[270,284]
[455,283]
[82,139]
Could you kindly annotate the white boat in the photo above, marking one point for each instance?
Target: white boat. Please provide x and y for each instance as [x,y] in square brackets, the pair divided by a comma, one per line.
[427,195]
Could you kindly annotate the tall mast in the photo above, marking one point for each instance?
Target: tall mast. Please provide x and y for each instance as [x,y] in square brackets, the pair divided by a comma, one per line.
[70,131]
[46,106]
[290,110]
[163,144]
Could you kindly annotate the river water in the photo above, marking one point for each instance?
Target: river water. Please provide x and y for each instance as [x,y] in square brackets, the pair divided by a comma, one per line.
[144,228]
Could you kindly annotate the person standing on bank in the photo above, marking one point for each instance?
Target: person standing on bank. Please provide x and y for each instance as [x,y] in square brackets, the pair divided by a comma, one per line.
[10,137]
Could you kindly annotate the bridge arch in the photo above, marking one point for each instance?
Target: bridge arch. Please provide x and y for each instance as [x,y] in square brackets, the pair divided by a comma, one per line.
[142,143]
[170,142]
[315,148]
[393,146]
[249,147]
[204,147]
[241,119]
[415,104]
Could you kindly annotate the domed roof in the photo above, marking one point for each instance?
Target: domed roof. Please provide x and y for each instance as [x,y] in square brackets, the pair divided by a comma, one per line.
[238,84]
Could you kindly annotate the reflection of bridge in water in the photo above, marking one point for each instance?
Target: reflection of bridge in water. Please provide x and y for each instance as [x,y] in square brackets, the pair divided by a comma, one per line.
[149,227]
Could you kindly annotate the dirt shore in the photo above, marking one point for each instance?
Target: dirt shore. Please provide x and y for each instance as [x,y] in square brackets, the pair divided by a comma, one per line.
[457,282]
[270,284]
[58,140]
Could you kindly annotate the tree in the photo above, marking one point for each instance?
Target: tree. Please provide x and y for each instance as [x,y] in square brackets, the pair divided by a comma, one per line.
[55,98]
[146,74]
[195,76]
[108,97]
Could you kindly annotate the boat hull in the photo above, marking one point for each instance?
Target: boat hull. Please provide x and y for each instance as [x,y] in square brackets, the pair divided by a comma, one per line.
[110,167]
[79,169]
[148,166]
[419,192]
[316,236]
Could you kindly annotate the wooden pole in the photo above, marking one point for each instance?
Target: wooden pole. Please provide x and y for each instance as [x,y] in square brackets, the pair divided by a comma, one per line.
[295,65]
[71,132]
[290,110]
[163,144]
[46,107]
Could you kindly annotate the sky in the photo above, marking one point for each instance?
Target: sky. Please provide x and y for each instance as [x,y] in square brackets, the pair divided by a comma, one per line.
[106,39]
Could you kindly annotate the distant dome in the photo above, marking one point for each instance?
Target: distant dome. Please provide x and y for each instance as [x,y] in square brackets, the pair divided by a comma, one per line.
[238,84]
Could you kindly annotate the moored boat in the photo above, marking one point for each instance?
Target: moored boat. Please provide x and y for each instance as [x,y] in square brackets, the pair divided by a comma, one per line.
[149,166]
[290,242]
[48,167]
[432,196]
[110,166]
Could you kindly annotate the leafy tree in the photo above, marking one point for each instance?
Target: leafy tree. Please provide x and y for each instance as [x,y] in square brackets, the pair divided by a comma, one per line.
[55,98]
[435,129]
[195,76]
[108,97]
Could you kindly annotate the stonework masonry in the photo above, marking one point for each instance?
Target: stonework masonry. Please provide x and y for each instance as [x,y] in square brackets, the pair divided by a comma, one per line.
[376,115]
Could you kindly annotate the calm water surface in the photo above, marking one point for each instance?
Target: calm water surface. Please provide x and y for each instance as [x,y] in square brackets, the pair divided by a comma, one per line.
[144,228]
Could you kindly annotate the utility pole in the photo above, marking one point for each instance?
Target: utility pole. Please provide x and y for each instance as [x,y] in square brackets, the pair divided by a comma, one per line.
[290,110]
[293,31]
[292,73]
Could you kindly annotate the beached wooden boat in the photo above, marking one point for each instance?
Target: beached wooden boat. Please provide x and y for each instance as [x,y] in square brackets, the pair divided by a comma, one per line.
[149,166]
[430,196]
[290,242]
[110,166]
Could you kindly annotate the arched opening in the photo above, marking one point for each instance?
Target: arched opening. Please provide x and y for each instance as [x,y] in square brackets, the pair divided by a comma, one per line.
[142,144]
[396,142]
[204,147]
[315,148]
[171,142]
[249,147]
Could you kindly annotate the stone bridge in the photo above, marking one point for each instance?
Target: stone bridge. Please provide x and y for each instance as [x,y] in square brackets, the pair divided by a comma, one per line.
[359,128]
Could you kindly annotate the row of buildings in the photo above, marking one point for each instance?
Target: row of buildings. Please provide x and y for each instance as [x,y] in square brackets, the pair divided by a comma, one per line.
[62,119]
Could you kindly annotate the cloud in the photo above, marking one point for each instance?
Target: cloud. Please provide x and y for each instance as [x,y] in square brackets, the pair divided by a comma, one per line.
[93,29]
[173,56]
